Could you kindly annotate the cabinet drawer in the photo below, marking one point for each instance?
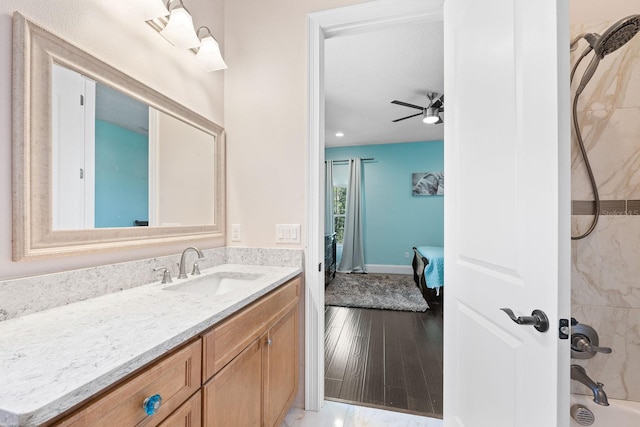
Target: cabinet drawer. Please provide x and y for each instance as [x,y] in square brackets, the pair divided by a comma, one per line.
[174,378]
[188,415]
[226,340]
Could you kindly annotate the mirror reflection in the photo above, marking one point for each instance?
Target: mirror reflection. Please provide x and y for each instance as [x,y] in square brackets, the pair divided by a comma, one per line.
[118,162]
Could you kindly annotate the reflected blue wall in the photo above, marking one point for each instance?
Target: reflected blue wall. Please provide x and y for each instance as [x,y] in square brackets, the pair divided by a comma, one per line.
[394,220]
[122,176]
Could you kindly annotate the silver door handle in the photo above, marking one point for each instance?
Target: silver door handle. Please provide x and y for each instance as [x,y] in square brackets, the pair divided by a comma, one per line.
[538,319]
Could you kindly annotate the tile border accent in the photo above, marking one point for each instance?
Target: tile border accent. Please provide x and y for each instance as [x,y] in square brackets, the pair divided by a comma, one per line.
[607,207]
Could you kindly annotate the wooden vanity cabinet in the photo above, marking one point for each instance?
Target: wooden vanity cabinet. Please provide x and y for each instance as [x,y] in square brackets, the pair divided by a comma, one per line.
[258,384]
[242,372]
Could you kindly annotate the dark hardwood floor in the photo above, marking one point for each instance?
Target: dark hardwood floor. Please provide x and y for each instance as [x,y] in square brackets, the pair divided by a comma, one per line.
[385,358]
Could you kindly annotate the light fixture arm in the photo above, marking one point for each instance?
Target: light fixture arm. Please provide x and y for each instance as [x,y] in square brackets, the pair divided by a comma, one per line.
[204,27]
[181,5]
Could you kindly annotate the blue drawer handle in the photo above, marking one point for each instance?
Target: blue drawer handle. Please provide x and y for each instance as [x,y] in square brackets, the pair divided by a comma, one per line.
[152,403]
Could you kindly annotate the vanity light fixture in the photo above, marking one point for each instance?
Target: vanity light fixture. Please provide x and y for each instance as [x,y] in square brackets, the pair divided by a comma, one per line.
[339,134]
[175,24]
[209,56]
[179,30]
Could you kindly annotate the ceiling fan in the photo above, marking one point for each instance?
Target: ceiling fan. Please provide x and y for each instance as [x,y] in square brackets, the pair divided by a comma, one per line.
[430,113]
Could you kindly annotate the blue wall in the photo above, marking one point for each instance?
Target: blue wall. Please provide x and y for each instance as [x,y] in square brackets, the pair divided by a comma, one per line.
[394,220]
[122,176]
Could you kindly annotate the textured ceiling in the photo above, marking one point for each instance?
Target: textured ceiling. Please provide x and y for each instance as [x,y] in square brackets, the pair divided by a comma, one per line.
[364,72]
[115,107]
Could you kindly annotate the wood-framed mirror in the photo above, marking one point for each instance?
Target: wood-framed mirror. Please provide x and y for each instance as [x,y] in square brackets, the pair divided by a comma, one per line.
[100,161]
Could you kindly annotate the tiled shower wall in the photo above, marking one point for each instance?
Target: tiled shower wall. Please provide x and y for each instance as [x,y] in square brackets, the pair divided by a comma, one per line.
[605,279]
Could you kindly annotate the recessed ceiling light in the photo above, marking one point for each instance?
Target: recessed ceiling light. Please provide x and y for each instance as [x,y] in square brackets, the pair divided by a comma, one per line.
[339,134]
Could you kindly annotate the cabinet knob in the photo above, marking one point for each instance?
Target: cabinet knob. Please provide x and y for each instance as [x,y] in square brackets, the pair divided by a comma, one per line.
[269,342]
[151,404]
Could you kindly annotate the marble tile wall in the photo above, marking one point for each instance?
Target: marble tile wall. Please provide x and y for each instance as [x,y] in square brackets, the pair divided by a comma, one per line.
[605,276]
[19,297]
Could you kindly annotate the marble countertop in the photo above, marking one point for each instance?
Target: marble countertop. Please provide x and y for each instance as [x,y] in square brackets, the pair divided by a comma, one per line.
[55,359]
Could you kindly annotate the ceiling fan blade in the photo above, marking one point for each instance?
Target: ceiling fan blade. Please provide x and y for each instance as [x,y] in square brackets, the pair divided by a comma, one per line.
[404,104]
[408,117]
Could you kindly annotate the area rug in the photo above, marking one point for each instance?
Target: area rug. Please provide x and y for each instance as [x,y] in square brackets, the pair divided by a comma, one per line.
[382,291]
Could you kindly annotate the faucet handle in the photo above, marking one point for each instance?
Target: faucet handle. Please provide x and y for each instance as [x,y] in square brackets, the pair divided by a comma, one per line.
[166,275]
[196,269]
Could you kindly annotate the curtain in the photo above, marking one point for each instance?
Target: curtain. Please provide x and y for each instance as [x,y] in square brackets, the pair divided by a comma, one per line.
[328,198]
[353,248]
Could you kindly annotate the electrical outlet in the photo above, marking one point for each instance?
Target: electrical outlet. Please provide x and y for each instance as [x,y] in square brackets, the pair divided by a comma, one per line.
[236,235]
[406,255]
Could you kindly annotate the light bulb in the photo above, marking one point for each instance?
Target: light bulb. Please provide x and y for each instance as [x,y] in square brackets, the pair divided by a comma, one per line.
[430,116]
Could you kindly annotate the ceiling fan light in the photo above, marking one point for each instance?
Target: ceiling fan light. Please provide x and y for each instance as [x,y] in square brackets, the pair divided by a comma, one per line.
[430,116]
[179,30]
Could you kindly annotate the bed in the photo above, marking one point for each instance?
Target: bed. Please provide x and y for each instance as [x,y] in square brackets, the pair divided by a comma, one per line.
[428,272]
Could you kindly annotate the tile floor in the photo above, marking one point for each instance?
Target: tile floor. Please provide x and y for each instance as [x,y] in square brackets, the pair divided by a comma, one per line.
[335,414]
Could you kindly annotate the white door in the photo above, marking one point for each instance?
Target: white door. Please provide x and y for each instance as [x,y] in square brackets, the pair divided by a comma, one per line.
[507,238]
[73,142]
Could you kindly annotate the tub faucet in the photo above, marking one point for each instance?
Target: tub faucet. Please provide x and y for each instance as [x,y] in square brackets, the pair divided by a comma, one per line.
[579,374]
[183,270]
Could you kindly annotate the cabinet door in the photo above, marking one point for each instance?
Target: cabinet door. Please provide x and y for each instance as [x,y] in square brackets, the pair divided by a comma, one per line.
[233,397]
[281,368]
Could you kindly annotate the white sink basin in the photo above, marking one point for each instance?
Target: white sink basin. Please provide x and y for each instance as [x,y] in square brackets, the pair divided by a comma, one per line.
[217,283]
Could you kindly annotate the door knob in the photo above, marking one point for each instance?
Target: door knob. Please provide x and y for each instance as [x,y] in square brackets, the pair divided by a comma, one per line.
[538,319]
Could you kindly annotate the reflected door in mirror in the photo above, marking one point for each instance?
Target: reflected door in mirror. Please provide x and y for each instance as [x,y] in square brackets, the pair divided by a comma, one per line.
[100,155]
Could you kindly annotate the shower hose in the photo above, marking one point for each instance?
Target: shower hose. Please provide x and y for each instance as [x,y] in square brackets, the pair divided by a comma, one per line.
[583,151]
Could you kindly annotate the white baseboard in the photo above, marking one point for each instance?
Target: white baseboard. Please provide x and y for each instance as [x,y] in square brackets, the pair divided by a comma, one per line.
[389,269]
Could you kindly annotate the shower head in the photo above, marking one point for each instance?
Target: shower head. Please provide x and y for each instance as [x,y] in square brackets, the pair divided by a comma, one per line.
[617,35]
[611,40]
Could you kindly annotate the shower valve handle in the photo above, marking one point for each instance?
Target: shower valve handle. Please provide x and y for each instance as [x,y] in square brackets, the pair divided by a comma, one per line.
[582,343]
[537,319]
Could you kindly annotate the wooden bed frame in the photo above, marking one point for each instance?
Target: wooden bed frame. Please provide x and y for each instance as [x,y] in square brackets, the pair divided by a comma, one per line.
[430,295]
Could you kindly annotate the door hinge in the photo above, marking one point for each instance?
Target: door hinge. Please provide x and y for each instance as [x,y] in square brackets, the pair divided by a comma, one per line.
[320,267]
[563,329]
[81,173]
[81,99]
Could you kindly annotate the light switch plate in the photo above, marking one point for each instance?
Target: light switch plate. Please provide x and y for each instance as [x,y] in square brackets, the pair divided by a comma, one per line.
[287,233]
[236,233]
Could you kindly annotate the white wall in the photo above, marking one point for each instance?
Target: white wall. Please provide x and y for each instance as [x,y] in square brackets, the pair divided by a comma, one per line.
[112,30]
[266,114]
[582,11]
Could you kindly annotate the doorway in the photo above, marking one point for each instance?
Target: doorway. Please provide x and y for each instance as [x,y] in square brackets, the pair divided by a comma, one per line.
[323,25]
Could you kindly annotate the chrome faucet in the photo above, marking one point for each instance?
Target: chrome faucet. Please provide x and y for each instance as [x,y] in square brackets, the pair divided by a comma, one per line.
[183,270]
[579,374]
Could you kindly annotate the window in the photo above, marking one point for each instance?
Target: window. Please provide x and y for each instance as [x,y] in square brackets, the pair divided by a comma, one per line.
[339,210]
